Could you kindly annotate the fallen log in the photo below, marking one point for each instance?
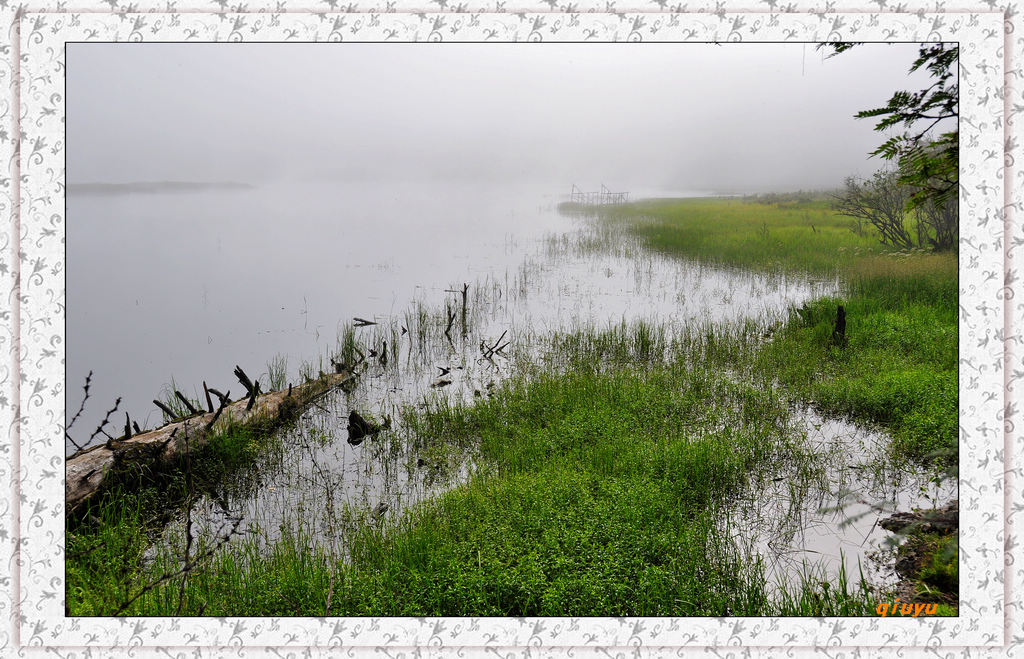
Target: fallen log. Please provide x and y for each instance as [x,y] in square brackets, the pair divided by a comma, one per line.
[88,470]
[940,520]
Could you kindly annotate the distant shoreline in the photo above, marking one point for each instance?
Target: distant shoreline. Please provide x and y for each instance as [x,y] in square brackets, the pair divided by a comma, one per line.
[153,187]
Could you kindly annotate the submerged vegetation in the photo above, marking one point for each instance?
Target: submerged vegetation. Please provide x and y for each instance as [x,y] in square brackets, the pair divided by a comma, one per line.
[590,473]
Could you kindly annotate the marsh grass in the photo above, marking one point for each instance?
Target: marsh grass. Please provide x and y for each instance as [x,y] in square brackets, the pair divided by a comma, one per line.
[892,282]
[822,594]
[899,368]
[596,492]
[603,460]
[277,373]
[173,403]
[798,236]
[109,538]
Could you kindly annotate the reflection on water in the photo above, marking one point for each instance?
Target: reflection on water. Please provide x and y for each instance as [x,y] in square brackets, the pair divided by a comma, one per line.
[188,285]
[558,287]
[814,525]
[185,286]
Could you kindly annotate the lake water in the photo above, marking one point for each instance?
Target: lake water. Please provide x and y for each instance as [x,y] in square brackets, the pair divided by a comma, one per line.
[186,285]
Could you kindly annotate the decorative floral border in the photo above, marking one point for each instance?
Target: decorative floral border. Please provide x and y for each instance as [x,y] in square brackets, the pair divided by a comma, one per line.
[32,264]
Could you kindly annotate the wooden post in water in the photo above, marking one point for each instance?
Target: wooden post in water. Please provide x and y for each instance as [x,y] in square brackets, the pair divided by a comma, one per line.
[465,291]
[839,330]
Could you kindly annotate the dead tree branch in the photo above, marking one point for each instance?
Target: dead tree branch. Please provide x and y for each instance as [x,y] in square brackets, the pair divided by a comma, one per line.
[209,401]
[185,401]
[224,400]
[171,416]
[105,421]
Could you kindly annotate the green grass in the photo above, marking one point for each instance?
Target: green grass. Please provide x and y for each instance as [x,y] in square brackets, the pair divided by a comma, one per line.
[108,537]
[599,493]
[804,236]
[603,474]
[277,373]
[899,368]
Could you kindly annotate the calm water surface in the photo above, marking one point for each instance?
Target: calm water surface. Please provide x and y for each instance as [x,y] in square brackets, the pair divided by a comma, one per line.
[187,285]
[184,286]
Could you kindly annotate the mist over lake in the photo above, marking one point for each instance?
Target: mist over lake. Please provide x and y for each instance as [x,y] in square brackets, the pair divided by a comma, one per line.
[186,284]
[491,330]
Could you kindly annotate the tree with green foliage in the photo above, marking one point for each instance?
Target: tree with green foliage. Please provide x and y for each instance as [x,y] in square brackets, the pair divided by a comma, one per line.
[883,202]
[926,164]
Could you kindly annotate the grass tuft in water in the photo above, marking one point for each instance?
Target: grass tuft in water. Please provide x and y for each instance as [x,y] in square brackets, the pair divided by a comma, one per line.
[277,373]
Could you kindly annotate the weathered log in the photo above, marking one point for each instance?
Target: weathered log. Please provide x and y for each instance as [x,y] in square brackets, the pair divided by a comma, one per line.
[939,520]
[362,322]
[88,469]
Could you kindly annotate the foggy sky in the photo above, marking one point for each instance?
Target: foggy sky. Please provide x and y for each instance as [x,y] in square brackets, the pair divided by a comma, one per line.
[730,117]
